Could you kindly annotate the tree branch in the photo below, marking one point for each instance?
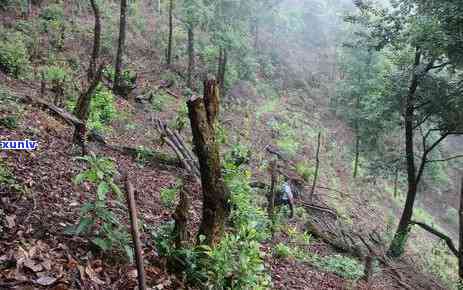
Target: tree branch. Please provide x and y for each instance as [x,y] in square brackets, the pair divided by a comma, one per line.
[440,235]
[446,159]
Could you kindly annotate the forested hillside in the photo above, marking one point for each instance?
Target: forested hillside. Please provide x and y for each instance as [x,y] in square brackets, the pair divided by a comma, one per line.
[231,144]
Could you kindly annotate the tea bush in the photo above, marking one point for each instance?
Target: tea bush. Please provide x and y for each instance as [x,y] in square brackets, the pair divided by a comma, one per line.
[14,57]
[343,266]
[237,261]
[97,218]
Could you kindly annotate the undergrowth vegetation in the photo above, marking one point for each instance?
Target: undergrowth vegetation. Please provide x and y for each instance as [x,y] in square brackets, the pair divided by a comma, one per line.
[98,218]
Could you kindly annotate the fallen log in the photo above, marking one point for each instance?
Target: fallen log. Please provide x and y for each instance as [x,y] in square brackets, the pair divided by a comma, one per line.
[57,111]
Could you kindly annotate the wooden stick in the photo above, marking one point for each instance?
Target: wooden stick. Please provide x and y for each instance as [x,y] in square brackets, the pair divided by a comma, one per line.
[317,166]
[135,233]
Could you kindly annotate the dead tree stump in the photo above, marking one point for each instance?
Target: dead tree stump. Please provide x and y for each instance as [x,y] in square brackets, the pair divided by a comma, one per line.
[203,113]
[181,219]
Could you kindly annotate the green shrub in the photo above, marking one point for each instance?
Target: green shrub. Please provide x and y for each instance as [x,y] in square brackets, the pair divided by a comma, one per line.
[9,122]
[97,218]
[305,169]
[182,117]
[237,261]
[159,101]
[168,195]
[343,266]
[102,109]
[53,12]
[8,180]
[283,251]
[14,58]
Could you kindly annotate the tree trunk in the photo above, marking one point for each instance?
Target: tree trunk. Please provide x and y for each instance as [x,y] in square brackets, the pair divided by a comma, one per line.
[96,41]
[203,113]
[221,70]
[397,246]
[120,48]
[82,111]
[317,166]
[460,252]
[357,137]
[191,55]
[171,32]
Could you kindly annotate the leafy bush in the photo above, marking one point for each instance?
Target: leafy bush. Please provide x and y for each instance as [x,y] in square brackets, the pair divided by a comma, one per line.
[53,12]
[97,218]
[9,122]
[168,195]
[8,180]
[283,251]
[182,118]
[237,261]
[102,109]
[55,73]
[343,266]
[14,58]
[305,169]
[159,101]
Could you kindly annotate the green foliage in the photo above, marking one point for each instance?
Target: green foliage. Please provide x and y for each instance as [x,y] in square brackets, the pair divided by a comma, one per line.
[168,195]
[102,109]
[237,261]
[442,263]
[14,57]
[181,119]
[283,251]
[55,73]
[53,12]
[346,267]
[287,140]
[8,180]
[128,76]
[305,169]
[98,219]
[9,122]
[159,101]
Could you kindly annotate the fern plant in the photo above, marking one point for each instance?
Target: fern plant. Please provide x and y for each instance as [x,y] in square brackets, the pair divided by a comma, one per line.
[97,219]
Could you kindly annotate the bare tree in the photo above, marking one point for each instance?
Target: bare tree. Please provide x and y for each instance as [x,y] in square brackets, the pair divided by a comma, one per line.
[96,41]
[171,31]
[120,48]
[203,114]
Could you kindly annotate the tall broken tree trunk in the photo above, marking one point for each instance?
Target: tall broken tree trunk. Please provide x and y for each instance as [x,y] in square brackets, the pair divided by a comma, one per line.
[82,111]
[203,113]
[96,41]
[117,87]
